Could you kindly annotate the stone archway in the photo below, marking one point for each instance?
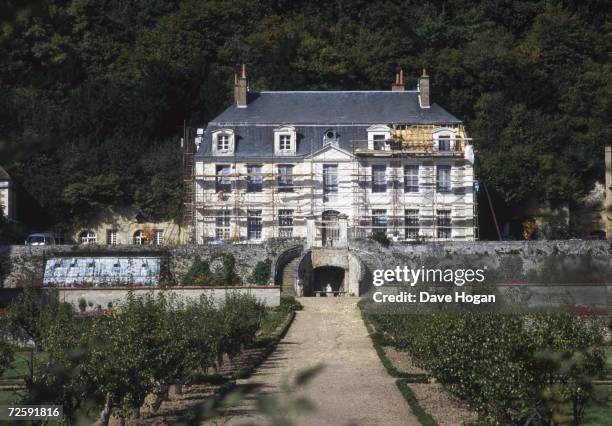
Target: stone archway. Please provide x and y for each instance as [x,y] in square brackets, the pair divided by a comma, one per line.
[332,276]
[341,268]
[284,270]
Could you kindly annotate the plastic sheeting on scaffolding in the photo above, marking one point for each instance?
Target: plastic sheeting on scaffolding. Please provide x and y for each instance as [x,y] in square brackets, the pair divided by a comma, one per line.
[101,271]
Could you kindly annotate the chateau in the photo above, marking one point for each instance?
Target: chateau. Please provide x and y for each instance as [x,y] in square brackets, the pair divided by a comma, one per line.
[330,166]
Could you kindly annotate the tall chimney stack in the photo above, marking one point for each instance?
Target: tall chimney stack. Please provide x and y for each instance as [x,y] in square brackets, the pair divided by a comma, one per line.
[399,85]
[241,88]
[424,89]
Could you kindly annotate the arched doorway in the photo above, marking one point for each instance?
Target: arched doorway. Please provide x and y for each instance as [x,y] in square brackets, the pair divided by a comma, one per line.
[340,268]
[328,275]
[330,228]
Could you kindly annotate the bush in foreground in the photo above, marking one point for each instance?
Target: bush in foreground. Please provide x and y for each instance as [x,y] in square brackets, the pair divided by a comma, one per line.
[143,346]
[512,369]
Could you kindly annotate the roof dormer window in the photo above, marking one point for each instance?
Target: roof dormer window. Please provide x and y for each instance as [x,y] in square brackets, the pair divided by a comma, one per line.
[330,137]
[444,139]
[377,137]
[223,142]
[285,141]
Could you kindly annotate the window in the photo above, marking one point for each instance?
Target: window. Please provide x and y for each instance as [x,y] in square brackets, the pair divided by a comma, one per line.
[411,178]
[222,225]
[443,222]
[254,224]
[223,181]
[444,143]
[379,221]
[330,137]
[284,143]
[88,237]
[140,238]
[377,135]
[111,237]
[443,177]
[378,142]
[223,143]
[411,222]
[285,138]
[285,178]
[159,237]
[330,180]
[285,223]
[254,179]
[379,179]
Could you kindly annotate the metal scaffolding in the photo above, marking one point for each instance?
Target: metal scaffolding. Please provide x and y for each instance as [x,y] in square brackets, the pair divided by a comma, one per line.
[307,191]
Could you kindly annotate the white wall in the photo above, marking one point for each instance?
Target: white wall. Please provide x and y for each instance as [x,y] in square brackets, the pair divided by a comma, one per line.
[269,296]
[351,200]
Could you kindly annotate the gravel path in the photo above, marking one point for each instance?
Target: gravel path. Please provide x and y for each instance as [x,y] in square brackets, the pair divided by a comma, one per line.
[353,387]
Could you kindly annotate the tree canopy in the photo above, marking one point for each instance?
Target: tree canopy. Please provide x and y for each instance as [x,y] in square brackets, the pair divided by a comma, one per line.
[92,94]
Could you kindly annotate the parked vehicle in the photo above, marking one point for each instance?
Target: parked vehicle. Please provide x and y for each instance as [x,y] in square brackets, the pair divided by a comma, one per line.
[44,239]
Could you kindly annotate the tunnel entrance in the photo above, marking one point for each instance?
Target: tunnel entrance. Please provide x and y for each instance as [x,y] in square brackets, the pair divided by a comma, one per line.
[324,275]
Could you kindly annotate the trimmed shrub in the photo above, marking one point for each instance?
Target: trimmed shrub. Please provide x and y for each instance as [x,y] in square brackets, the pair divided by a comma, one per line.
[198,274]
[511,368]
[241,316]
[261,272]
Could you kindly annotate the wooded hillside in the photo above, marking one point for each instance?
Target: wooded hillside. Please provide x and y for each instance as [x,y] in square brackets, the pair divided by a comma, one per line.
[93,92]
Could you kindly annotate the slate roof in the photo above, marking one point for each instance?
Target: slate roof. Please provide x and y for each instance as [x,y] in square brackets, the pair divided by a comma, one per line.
[312,114]
[330,107]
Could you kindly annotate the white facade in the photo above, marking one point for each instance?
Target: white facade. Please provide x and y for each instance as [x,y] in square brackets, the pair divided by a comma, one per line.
[402,192]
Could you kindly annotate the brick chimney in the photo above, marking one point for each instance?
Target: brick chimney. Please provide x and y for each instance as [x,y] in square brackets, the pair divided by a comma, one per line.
[399,85]
[241,88]
[424,89]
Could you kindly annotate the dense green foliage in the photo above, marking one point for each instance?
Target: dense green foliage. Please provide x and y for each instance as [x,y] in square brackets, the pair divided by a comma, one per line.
[145,345]
[200,273]
[7,356]
[92,93]
[11,232]
[510,368]
[261,272]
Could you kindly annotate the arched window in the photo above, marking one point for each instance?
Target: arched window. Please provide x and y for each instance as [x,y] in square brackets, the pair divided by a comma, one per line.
[140,237]
[444,139]
[88,237]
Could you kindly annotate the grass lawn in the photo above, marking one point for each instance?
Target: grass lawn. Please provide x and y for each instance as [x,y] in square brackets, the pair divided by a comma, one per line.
[19,366]
[599,413]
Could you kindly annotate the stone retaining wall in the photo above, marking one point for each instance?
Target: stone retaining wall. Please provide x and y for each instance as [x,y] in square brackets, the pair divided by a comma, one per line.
[565,261]
[25,264]
[572,261]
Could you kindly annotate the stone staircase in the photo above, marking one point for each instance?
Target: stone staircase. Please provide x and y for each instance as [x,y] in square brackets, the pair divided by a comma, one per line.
[289,274]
